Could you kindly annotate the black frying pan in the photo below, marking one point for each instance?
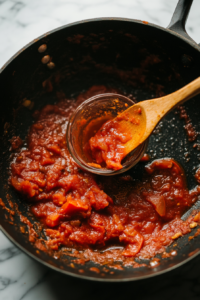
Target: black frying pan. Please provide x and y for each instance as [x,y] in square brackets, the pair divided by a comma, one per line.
[143,59]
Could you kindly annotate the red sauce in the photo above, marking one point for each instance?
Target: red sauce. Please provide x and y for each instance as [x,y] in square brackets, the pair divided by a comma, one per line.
[145,157]
[107,145]
[16,142]
[77,212]
[190,130]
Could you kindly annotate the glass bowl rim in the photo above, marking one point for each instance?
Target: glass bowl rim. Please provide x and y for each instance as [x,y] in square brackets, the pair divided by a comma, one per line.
[80,162]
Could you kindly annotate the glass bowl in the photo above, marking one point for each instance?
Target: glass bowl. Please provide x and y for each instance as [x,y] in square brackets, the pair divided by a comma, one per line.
[96,111]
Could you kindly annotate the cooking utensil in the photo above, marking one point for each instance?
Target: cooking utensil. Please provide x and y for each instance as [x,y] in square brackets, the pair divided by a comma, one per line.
[141,58]
[138,121]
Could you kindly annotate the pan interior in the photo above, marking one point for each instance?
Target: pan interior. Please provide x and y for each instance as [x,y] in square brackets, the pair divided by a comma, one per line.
[140,60]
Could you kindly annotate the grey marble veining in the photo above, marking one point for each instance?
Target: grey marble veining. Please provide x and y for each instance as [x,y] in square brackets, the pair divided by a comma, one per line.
[20,277]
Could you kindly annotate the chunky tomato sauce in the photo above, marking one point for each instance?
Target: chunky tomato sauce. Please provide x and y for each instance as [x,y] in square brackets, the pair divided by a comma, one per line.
[107,146]
[75,209]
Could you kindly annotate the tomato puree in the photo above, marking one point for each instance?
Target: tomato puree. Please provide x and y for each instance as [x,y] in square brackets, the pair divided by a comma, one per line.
[85,212]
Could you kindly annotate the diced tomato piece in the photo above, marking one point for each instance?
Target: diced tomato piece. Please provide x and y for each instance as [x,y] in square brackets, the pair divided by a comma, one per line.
[47,161]
[118,224]
[197,217]
[145,157]
[52,179]
[69,182]
[113,165]
[35,177]
[73,207]
[166,187]
[33,166]
[17,168]
[94,165]
[158,201]
[98,227]
[16,184]
[178,194]
[134,239]
[28,188]
[53,244]
[98,199]
[53,220]
[59,199]
[52,233]
[75,223]
[54,148]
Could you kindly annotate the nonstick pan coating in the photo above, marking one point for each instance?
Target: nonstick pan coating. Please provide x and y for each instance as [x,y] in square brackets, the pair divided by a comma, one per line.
[142,59]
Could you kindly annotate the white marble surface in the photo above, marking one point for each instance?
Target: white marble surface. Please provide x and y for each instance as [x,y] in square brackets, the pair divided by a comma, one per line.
[20,22]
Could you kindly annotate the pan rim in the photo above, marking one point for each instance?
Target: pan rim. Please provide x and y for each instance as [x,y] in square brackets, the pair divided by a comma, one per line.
[86,277]
[188,41]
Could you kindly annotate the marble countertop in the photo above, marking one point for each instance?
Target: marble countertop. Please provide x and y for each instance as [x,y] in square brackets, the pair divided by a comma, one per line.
[20,277]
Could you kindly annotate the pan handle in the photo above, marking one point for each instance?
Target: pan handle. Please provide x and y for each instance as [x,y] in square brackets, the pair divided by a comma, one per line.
[179,18]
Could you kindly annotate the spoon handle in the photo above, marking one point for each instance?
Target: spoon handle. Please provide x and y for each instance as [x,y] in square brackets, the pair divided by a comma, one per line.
[157,108]
[187,92]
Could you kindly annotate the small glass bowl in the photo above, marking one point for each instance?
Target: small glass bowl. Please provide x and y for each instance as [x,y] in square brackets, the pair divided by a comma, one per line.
[105,107]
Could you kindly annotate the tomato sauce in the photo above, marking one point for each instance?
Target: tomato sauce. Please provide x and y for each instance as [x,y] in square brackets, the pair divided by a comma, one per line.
[80,213]
[107,146]
[190,130]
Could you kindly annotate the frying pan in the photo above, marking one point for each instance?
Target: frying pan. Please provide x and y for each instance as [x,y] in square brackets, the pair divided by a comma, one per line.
[144,60]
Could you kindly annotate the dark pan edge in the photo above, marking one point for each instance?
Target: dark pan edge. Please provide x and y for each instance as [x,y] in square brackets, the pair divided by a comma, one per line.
[192,43]
[94,278]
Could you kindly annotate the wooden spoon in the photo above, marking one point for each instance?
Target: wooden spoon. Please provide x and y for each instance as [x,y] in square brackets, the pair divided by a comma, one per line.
[140,119]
